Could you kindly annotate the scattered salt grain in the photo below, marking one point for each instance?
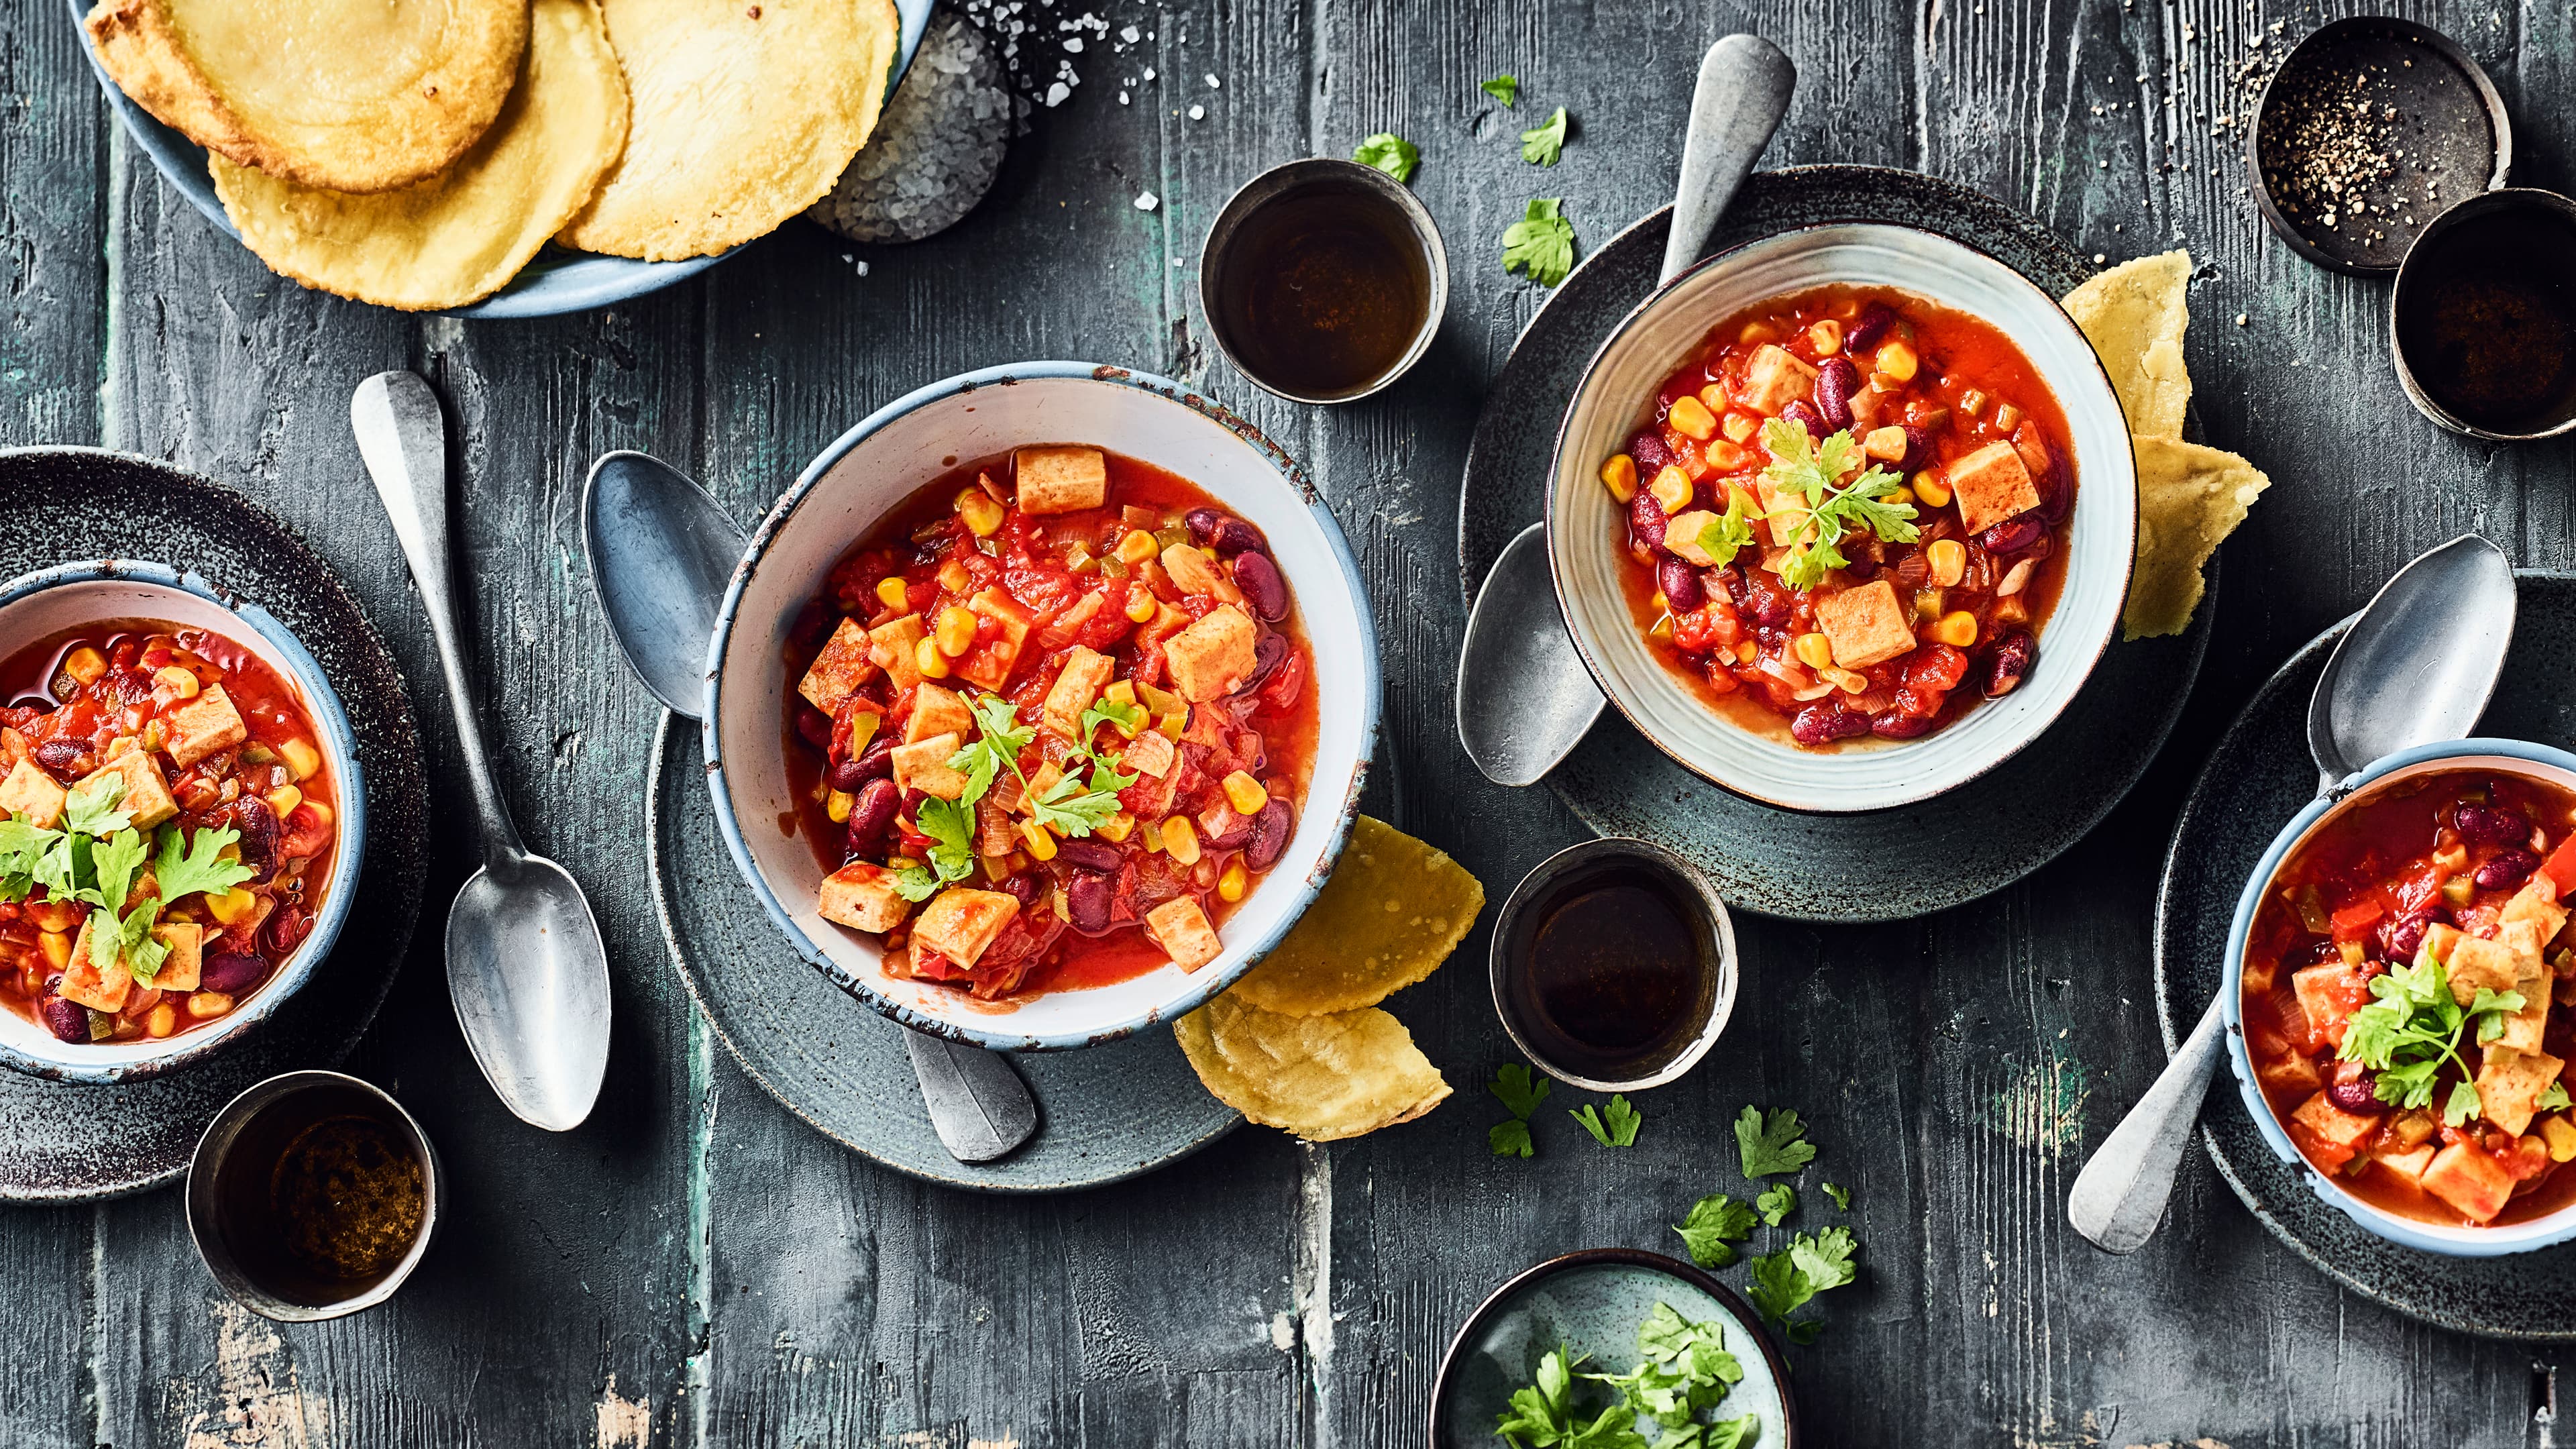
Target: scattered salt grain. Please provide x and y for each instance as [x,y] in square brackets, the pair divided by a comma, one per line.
[2240,319]
[1056,93]
[1073,44]
[1147,201]
[1122,98]
[1198,113]
[1129,34]
[1149,72]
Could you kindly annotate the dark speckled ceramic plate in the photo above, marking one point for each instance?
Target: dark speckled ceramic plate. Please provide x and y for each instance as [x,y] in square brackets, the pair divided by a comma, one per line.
[1104,1113]
[1988,834]
[2259,776]
[68,1143]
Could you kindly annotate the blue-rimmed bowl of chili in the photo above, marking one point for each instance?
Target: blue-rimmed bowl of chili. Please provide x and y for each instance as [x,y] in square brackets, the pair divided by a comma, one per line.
[135,697]
[2432,1120]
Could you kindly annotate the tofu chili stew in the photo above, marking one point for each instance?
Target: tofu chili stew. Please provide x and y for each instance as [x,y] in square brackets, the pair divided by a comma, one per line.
[2410,998]
[1845,514]
[165,831]
[1054,724]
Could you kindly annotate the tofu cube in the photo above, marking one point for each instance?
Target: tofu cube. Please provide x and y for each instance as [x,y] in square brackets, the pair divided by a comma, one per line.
[894,646]
[1210,658]
[2475,962]
[1150,754]
[203,726]
[2329,993]
[1991,485]
[923,765]
[989,664]
[1866,625]
[839,670]
[2292,1073]
[960,923]
[180,969]
[2535,905]
[1060,479]
[2510,1084]
[1682,535]
[2524,1029]
[2469,1180]
[147,793]
[1784,513]
[1182,930]
[861,896]
[1774,379]
[31,793]
[1086,672]
[936,711]
[84,983]
[2407,1162]
[1191,570]
[2335,1134]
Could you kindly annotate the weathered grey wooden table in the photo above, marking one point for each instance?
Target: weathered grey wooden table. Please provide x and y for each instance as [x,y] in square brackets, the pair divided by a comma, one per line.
[696,1267]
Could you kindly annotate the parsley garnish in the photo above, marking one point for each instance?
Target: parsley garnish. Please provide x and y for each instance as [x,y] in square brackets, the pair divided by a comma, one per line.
[1520,1090]
[998,744]
[950,823]
[1811,1264]
[1728,533]
[1776,1203]
[91,809]
[2412,1030]
[1389,153]
[1612,1126]
[1835,510]
[1543,143]
[1716,1224]
[1774,1143]
[1840,1195]
[1071,806]
[99,845]
[1541,243]
[1543,1416]
[1127,719]
[1504,88]
[1683,1369]
[1511,1138]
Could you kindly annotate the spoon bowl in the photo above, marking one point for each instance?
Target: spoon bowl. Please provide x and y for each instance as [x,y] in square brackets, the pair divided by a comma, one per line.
[520,939]
[661,549]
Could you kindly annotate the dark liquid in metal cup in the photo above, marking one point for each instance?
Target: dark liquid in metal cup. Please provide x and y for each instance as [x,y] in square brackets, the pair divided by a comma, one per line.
[2489,330]
[1617,975]
[1324,290]
[321,1196]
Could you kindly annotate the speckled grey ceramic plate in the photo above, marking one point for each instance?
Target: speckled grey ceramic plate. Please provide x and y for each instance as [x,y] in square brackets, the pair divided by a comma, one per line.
[1591,1303]
[68,1143]
[1104,1113]
[1986,834]
[2259,776]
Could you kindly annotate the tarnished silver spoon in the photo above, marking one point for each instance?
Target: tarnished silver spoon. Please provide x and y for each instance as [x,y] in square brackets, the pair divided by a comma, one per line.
[525,964]
[2417,667]
[661,550]
[1524,698]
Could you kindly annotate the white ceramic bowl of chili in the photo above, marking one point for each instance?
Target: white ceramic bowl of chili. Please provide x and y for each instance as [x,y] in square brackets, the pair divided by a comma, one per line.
[1587,528]
[868,473]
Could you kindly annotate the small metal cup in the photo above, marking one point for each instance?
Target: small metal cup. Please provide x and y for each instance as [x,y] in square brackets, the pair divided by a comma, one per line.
[229,1213]
[2546,223]
[1515,928]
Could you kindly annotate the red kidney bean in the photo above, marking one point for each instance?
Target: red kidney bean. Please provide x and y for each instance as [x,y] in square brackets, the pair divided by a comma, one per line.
[1768,604]
[1262,586]
[2056,499]
[66,1019]
[814,727]
[1805,415]
[1918,449]
[1863,569]
[876,762]
[1897,724]
[232,972]
[2507,870]
[2010,662]
[2399,939]
[871,813]
[1826,721]
[1202,522]
[65,757]
[1088,896]
[1272,826]
[1234,536]
[1097,855]
[1646,520]
[1649,451]
[2012,535]
[286,929]
[2492,824]
[2357,1093]
[1236,834]
[1836,382]
[259,831]
[846,776]
[1681,585]
[1267,653]
[1022,887]
[1869,328]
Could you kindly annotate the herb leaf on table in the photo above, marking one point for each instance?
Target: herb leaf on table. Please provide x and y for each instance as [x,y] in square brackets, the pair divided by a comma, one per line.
[1504,88]
[1840,1195]
[1772,1143]
[1519,1088]
[1612,1126]
[1390,153]
[1542,144]
[1776,1202]
[1716,1223]
[1782,1282]
[1541,243]
[1511,1138]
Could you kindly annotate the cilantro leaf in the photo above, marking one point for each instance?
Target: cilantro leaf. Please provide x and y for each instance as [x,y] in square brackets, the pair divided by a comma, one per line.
[1541,1413]
[2463,1105]
[1519,1088]
[1000,738]
[1777,1287]
[24,845]
[1504,88]
[1729,533]
[1716,1223]
[1772,1144]
[2410,1033]
[1511,1138]
[1825,1258]
[1840,1195]
[1072,806]
[1782,1282]
[1126,718]
[916,884]
[197,870]
[114,863]
[1389,153]
[1834,510]
[91,809]
[1543,143]
[1541,243]
[2553,1097]
[951,823]
[1612,1126]
[1776,1203]
[1736,1433]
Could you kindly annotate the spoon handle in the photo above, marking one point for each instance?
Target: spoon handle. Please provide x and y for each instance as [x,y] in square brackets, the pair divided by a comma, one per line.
[1743,91]
[403,437]
[2120,1195]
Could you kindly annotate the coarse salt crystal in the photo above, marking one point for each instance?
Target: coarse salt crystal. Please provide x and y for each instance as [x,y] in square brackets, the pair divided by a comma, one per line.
[1073,44]
[1149,72]
[1056,93]
[1147,201]
[1122,98]
[1198,113]
[1212,82]
[1130,34]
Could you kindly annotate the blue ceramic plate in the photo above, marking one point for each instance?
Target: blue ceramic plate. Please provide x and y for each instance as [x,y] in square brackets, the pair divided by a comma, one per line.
[557,282]
[2258,777]
[1591,1303]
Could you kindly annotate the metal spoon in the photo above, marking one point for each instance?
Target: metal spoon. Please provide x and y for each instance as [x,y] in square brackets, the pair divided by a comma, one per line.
[661,550]
[1516,648]
[2417,666]
[525,964]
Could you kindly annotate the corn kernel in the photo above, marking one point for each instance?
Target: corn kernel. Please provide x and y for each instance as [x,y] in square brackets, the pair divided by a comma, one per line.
[302,760]
[1141,604]
[1740,427]
[1815,650]
[203,1004]
[1973,402]
[1137,547]
[53,915]
[1245,793]
[983,516]
[230,907]
[1672,489]
[2007,418]
[954,577]
[1895,359]
[1714,396]
[1230,885]
[1691,418]
[1121,692]
[1040,842]
[1173,724]
[837,805]
[1949,561]
[58,948]
[955,631]
[1827,335]
[1902,494]
[927,658]
[892,594]
[283,800]
[1931,488]
[2561,1137]
[1958,628]
[164,1017]
[1116,828]
[176,682]
[1619,475]
[85,664]
[1181,839]
[1747,651]
[1723,456]
[1757,333]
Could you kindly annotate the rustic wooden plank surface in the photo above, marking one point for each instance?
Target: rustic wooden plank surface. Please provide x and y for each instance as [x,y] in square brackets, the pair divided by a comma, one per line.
[694,1267]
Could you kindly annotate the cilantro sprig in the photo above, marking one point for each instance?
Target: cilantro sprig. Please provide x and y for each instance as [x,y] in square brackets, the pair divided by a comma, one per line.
[1543,143]
[1727,534]
[2411,1030]
[1520,1090]
[1390,153]
[1504,88]
[1835,510]
[1772,1143]
[1715,1225]
[1813,1263]
[97,857]
[1614,1125]
[1540,244]
[1075,806]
